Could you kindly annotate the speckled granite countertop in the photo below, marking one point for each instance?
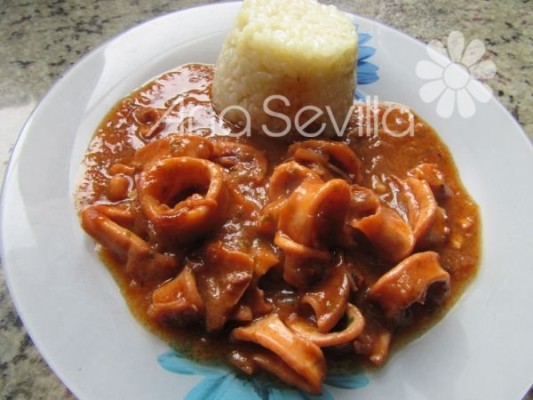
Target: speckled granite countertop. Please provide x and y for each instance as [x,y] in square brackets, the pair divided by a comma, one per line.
[40,40]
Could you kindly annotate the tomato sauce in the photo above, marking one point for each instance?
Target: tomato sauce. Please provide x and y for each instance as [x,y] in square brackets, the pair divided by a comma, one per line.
[179,102]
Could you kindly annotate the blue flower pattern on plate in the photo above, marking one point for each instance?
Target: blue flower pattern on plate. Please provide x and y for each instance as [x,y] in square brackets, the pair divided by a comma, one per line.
[225,384]
[367,72]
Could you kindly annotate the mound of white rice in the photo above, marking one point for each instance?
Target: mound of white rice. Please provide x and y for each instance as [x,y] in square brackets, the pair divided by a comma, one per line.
[301,50]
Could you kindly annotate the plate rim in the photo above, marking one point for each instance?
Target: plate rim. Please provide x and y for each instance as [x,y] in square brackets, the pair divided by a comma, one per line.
[57,85]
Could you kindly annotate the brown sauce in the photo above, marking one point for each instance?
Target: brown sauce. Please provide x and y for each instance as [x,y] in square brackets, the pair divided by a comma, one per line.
[133,123]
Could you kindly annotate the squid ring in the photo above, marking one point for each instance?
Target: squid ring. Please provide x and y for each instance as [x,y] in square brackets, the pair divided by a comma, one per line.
[183,197]
[287,177]
[353,329]
[337,158]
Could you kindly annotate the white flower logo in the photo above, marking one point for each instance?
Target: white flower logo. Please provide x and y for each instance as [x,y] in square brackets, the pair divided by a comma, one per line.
[455,75]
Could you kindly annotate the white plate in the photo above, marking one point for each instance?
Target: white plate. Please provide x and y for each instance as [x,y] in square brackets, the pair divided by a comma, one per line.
[76,316]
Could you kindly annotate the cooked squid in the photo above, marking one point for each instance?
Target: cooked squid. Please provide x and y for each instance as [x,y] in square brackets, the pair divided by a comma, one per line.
[173,146]
[329,298]
[302,356]
[328,159]
[141,261]
[178,300]
[409,282]
[183,198]
[222,282]
[353,329]
[271,255]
